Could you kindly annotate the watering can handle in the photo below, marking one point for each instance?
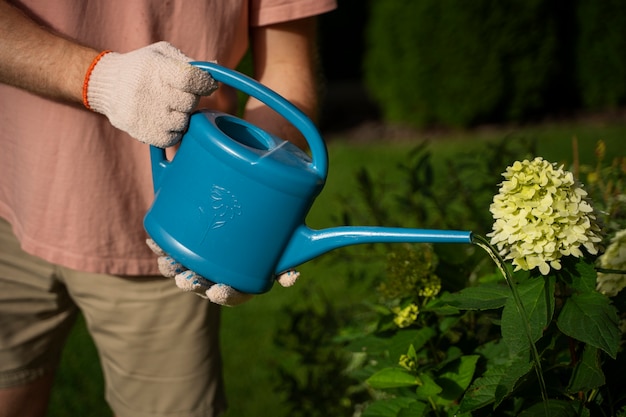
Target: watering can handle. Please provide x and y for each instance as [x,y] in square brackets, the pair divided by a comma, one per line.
[277,103]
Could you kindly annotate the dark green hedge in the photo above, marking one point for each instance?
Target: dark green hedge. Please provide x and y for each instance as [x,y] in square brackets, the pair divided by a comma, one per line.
[460,63]
[601,53]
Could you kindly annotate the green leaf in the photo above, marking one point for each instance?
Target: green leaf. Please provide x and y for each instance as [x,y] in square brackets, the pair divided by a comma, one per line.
[482,297]
[436,305]
[518,370]
[537,296]
[392,378]
[592,319]
[421,337]
[415,409]
[394,343]
[399,342]
[428,388]
[388,408]
[496,352]
[452,354]
[496,383]
[556,408]
[411,353]
[482,391]
[584,278]
[456,377]
[588,373]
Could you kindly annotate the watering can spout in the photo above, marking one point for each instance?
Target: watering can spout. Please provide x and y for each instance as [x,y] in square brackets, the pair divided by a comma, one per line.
[307,243]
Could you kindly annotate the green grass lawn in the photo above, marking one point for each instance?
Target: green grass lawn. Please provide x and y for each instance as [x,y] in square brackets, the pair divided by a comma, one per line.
[250,357]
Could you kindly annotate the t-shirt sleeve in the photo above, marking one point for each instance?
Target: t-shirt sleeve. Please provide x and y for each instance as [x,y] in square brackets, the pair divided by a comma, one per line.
[267,12]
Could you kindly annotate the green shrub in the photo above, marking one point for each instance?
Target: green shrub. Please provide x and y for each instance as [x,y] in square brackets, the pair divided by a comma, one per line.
[459,63]
[601,61]
[447,336]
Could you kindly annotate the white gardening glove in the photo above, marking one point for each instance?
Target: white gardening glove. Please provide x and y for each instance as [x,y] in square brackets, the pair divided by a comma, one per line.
[148,93]
[188,280]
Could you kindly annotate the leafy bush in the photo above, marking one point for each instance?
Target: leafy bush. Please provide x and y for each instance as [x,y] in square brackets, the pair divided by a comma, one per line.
[461,63]
[601,67]
[447,335]
[318,384]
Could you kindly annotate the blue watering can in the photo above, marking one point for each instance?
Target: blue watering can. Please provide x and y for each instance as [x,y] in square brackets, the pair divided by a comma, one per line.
[231,204]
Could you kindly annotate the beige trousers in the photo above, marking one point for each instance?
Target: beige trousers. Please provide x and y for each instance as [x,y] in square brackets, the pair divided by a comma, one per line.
[158,346]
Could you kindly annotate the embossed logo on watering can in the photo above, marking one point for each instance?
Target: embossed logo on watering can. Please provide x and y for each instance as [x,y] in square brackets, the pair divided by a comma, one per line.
[225,206]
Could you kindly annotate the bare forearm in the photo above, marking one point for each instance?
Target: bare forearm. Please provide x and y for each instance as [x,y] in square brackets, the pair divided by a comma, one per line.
[286,61]
[36,60]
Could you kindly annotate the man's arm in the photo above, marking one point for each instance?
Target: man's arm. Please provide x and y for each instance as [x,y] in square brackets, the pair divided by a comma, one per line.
[35,59]
[285,60]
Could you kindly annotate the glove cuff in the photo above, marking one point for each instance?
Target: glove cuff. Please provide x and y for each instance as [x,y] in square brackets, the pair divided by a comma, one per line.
[88,76]
[101,86]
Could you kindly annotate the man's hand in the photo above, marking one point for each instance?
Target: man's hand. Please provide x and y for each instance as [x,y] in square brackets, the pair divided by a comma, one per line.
[189,281]
[148,93]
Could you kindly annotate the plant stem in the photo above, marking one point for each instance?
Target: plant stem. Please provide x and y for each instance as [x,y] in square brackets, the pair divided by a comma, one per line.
[484,243]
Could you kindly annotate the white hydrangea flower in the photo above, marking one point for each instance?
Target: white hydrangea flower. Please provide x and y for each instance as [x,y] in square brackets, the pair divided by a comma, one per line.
[614,258]
[542,214]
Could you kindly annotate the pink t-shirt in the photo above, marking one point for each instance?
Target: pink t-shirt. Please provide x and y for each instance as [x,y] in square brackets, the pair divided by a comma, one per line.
[76,189]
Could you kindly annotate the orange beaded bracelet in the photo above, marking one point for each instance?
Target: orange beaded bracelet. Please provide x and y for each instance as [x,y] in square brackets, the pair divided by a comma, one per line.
[88,75]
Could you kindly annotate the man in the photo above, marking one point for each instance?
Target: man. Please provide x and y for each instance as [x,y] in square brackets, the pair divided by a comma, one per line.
[74,185]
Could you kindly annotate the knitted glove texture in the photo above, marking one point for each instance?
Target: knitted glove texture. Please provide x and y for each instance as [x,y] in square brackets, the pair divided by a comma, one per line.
[148,93]
[189,281]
